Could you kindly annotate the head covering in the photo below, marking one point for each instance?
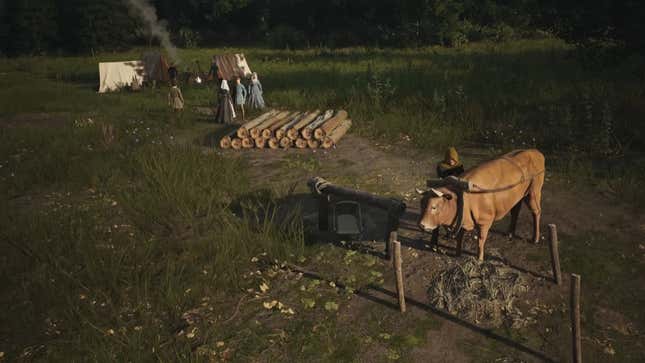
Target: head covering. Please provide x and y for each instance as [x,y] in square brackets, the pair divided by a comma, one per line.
[254,75]
[224,85]
[451,154]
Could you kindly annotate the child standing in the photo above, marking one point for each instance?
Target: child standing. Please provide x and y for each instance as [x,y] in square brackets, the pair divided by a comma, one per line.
[175,98]
[240,95]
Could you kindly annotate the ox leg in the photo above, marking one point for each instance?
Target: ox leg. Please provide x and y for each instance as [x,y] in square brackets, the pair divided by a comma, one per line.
[533,201]
[515,214]
[434,240]
[483,234]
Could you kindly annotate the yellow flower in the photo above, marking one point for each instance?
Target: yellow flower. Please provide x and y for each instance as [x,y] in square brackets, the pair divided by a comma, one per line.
[264,287]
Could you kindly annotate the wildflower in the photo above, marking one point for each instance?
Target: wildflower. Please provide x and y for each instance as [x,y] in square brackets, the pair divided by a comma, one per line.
[332,284]
[270,305]
[138,328]
[254,259]
[110,332]
[219,344]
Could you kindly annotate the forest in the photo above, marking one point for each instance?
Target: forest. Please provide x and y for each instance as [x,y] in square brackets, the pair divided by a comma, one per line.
[36,27]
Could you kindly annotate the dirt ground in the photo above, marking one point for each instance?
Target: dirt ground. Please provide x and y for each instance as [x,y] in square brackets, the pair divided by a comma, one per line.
[395,170]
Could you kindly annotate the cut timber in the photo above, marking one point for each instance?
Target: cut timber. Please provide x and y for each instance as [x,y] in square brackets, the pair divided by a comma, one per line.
[255,131]
[334,136]
[313,143]
[278,125]
[225,142]
[308,132]
[285,142]
[267,133]
[282,131]
[247,143]
[274,143]
[236,143]
[243,131]
[301,143]
[294,132]
[329,125]
[260,142]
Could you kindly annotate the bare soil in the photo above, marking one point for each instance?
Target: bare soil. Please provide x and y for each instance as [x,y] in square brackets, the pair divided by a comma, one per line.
[395,170]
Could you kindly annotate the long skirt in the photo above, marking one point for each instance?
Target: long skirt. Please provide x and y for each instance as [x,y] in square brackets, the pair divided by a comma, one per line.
[225,111]
[255,100]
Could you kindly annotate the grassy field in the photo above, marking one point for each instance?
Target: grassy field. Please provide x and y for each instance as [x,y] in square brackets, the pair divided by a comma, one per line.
[118,232]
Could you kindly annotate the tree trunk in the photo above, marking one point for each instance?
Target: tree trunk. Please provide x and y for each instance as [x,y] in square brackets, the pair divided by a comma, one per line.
[274,143]
[313,143]
[308,132]
[247,143]
[294,132]
[329,125]
[236,143]
[334,136]
[225,142]
[282,131]
[257,130]
[285,142]
[243,131]
[267,132]
[260,142]
[301,143]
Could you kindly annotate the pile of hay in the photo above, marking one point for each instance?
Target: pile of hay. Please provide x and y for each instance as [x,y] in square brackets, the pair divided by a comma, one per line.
[480,292]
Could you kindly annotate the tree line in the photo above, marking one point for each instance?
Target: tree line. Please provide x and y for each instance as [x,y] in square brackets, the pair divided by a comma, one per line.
[83,26]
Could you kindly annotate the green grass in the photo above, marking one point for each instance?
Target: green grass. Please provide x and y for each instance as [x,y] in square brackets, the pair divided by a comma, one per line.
[115,227]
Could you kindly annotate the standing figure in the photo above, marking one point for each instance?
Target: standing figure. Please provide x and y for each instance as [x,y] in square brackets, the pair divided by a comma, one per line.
[255,93]
[450,164]
[240,95]
[172,73]
[225,111]
[175,98]
[213,72]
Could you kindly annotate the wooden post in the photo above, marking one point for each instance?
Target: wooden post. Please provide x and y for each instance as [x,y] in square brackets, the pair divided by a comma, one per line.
[399,275]
[389,245]
[323,212]
[555,254]
[575,318]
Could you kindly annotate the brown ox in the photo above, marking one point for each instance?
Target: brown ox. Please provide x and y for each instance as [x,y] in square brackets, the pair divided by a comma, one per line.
[495,188]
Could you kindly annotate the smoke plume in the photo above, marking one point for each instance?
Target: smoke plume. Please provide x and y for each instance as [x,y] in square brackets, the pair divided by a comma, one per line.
[148,14]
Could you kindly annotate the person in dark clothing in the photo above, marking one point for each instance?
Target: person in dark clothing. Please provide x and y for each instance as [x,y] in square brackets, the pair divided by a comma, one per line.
[450,164]
[172,73]
[213,73]
[225,110]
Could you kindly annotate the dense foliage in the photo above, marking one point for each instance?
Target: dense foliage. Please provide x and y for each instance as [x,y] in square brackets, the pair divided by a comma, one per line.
[39,26]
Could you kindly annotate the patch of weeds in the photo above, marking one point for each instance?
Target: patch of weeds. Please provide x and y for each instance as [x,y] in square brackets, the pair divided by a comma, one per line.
[302,163]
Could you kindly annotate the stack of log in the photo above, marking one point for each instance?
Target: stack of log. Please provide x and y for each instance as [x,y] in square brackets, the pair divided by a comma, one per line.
[284,129]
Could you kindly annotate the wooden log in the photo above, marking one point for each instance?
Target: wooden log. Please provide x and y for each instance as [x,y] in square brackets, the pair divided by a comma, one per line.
[308,131]
[243,131]
[278,125]
[274,143]
[335,136]
[394,206]
[329,125]
[294,131]
[248,143]
[313,143]
[255,131]
[555,254]
[286,142]
[575,318]
[301,143]
[225,142]
[267,133]
[236,143]
[260,142]
[282,131]
[398,271]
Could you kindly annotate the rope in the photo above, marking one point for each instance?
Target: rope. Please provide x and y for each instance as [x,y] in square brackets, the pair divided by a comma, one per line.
[321,184]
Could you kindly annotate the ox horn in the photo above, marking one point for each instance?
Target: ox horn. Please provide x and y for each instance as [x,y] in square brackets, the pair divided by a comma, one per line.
[419,191]
[438,193]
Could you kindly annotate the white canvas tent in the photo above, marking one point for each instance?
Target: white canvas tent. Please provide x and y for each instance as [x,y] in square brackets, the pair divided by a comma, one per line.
[116,75]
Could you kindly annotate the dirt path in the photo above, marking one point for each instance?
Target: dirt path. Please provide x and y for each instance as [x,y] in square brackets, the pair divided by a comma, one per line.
[395,171]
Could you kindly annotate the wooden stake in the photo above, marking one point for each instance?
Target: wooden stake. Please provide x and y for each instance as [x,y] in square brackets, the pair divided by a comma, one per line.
[389,246]
[575,318]
[399,275]
[555,253]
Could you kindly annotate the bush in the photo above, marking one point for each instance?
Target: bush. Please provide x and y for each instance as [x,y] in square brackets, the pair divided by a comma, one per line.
[286,37]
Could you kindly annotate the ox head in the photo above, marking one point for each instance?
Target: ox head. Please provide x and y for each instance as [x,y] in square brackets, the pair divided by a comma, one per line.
[439,202]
